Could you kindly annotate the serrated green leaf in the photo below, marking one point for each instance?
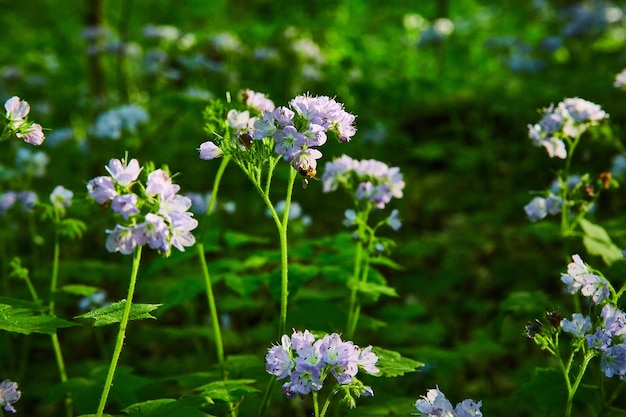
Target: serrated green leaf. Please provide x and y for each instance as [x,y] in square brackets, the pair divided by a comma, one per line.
[27,321]
[113,313]
[188,406]
[72,228]
[230,390]
[383,260]
[598,242]
[392,364]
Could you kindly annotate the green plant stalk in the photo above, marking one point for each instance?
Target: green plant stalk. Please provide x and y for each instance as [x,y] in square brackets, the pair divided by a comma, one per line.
[327,402]
[284,279]
[121,333]
[58,353]
[316,407]
[284,291]
[565,223]
[217,332]
[359,276]
[572,388]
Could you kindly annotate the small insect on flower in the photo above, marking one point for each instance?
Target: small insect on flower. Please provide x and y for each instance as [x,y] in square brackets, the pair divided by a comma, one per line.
[307,173]
[245,140]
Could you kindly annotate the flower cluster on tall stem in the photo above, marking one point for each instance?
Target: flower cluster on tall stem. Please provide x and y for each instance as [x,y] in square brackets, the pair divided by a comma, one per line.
[371,184]
[601,333]
[151,213]
[256,135]
[435,404]
[559,131]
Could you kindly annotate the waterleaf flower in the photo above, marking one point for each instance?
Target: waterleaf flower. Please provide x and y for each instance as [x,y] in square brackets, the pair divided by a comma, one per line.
[578,326]
[9,395]
[61,197]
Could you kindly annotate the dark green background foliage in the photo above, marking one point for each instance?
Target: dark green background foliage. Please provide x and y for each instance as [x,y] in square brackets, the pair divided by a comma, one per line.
[451,111]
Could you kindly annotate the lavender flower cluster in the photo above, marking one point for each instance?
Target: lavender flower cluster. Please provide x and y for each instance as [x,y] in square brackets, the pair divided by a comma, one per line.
[307,362]
[435,404]
[157,217]
[608,338]
[16,114]
[569,119]
[26,199]
[296,130]
[368,179]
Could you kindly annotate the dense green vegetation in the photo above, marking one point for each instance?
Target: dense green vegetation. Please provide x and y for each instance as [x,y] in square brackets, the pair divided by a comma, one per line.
[443,90]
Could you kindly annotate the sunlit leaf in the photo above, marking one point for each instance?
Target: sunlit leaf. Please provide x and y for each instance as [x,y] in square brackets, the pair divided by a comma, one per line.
[113,313]
[27,321]
[393,364]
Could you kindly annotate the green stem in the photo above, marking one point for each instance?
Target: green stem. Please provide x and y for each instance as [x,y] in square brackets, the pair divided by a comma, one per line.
[121,333]
[360,274]
[284,281]
[217,333]
[58,354]
[327,402]
[572,388]
[316,407]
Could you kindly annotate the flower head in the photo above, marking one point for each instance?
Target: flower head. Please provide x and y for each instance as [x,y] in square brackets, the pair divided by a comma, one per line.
[578,326]
[9,395]
[61,197]
[124,173]
[435,404]
[307,361]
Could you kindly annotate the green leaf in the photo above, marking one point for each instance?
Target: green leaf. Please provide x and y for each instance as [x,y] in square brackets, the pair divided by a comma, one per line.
[547,387]
[83,290]
[598,242]
[234,239]
[230,390]
[188,406]
[393,364]
[72,228]
[27,321]
[113,313]
[377,289]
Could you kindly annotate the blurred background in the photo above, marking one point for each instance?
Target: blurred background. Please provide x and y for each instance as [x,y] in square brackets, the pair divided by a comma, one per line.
[442,89]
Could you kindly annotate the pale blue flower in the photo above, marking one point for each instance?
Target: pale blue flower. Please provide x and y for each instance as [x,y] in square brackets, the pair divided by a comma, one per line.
[9,395]
[620,80]
[121,239]
[27,199]
[434,404]
[7,200]
[61,197]
[613,361]
[111,124]
[101,189]
[599,340]
[578,326]
[209,150]
[125,204]
[154,232]
[469,408]
[124,173]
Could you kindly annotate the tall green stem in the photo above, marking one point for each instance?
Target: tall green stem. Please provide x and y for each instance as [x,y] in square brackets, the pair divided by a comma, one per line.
[361,271]
[217,332]
[58,353]
[121,333]
[284,277]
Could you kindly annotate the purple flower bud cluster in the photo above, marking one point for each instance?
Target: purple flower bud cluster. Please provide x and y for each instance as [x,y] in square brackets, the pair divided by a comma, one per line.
[307,362]
[435,404]
[370,180]
[16,114]
[580,278]
[569,119]
[26,199]
[158,217]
